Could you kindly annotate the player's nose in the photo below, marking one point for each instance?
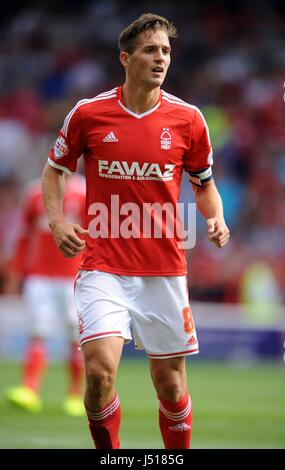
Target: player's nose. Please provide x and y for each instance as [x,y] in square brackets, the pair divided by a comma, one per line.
[159,57]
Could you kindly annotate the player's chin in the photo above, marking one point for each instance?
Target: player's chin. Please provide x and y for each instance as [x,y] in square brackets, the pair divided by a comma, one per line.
[157,81]
[160,80]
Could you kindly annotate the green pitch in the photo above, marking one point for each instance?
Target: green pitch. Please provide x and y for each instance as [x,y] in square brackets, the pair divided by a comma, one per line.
[233,407]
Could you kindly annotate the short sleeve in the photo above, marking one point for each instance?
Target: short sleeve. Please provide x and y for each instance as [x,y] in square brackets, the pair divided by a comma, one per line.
[69,145]
[198,160]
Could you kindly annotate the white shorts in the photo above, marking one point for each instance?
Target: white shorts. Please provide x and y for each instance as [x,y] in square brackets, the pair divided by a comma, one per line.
[50,301]
[154,309]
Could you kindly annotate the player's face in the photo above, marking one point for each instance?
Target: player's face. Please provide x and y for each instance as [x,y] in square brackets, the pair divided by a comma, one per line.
[149,62]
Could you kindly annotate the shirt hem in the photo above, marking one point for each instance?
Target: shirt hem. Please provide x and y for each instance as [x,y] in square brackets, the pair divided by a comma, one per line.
[125,272]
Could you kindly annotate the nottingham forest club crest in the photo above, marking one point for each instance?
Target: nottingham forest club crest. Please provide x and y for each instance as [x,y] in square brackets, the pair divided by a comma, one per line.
[165,139]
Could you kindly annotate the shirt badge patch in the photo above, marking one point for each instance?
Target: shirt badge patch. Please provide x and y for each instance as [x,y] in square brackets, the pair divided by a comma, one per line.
[60,147]
[165,139]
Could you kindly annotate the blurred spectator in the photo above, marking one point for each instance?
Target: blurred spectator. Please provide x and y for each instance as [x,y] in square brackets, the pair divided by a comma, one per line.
[46,279]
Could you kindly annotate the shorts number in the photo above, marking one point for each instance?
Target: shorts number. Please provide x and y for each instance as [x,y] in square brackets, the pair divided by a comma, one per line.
[189,326]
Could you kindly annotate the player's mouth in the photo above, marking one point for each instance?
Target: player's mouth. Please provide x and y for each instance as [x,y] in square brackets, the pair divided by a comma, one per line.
[157,70]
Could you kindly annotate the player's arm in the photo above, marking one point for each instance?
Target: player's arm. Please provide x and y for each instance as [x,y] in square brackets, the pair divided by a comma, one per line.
[198,163]
[210,205]
[65,234]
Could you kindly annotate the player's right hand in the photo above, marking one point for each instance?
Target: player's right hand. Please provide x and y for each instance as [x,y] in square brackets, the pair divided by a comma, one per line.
[66,237]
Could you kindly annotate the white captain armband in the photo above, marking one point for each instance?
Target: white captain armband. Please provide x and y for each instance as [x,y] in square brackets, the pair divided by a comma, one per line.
[200,177]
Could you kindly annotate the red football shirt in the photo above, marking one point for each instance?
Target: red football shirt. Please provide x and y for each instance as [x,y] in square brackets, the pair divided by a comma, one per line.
[132,161]
[36,252]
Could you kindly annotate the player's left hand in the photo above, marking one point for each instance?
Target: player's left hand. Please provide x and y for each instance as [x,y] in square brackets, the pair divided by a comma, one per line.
[218,232]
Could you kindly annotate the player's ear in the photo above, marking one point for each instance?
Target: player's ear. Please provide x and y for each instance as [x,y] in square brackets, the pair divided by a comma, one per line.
[124,59]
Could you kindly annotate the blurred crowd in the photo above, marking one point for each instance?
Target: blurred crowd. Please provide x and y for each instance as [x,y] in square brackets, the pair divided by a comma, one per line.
[229,60]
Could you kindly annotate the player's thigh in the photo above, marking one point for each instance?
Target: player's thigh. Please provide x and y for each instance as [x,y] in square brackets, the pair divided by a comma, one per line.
[102,356]
[169,377]
[168,369]
[40,305]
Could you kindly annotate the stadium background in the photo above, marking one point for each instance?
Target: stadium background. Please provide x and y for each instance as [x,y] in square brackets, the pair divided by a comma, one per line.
[229,60]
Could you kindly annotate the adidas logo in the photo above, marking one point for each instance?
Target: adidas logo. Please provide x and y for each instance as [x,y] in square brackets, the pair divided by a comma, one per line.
[180,427]
[191,341]
[110,138]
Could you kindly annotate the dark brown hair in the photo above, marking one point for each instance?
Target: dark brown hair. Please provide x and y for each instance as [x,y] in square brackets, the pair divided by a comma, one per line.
[146,22]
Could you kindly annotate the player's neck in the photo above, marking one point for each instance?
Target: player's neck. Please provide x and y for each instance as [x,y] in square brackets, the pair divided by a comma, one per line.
[138,99]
